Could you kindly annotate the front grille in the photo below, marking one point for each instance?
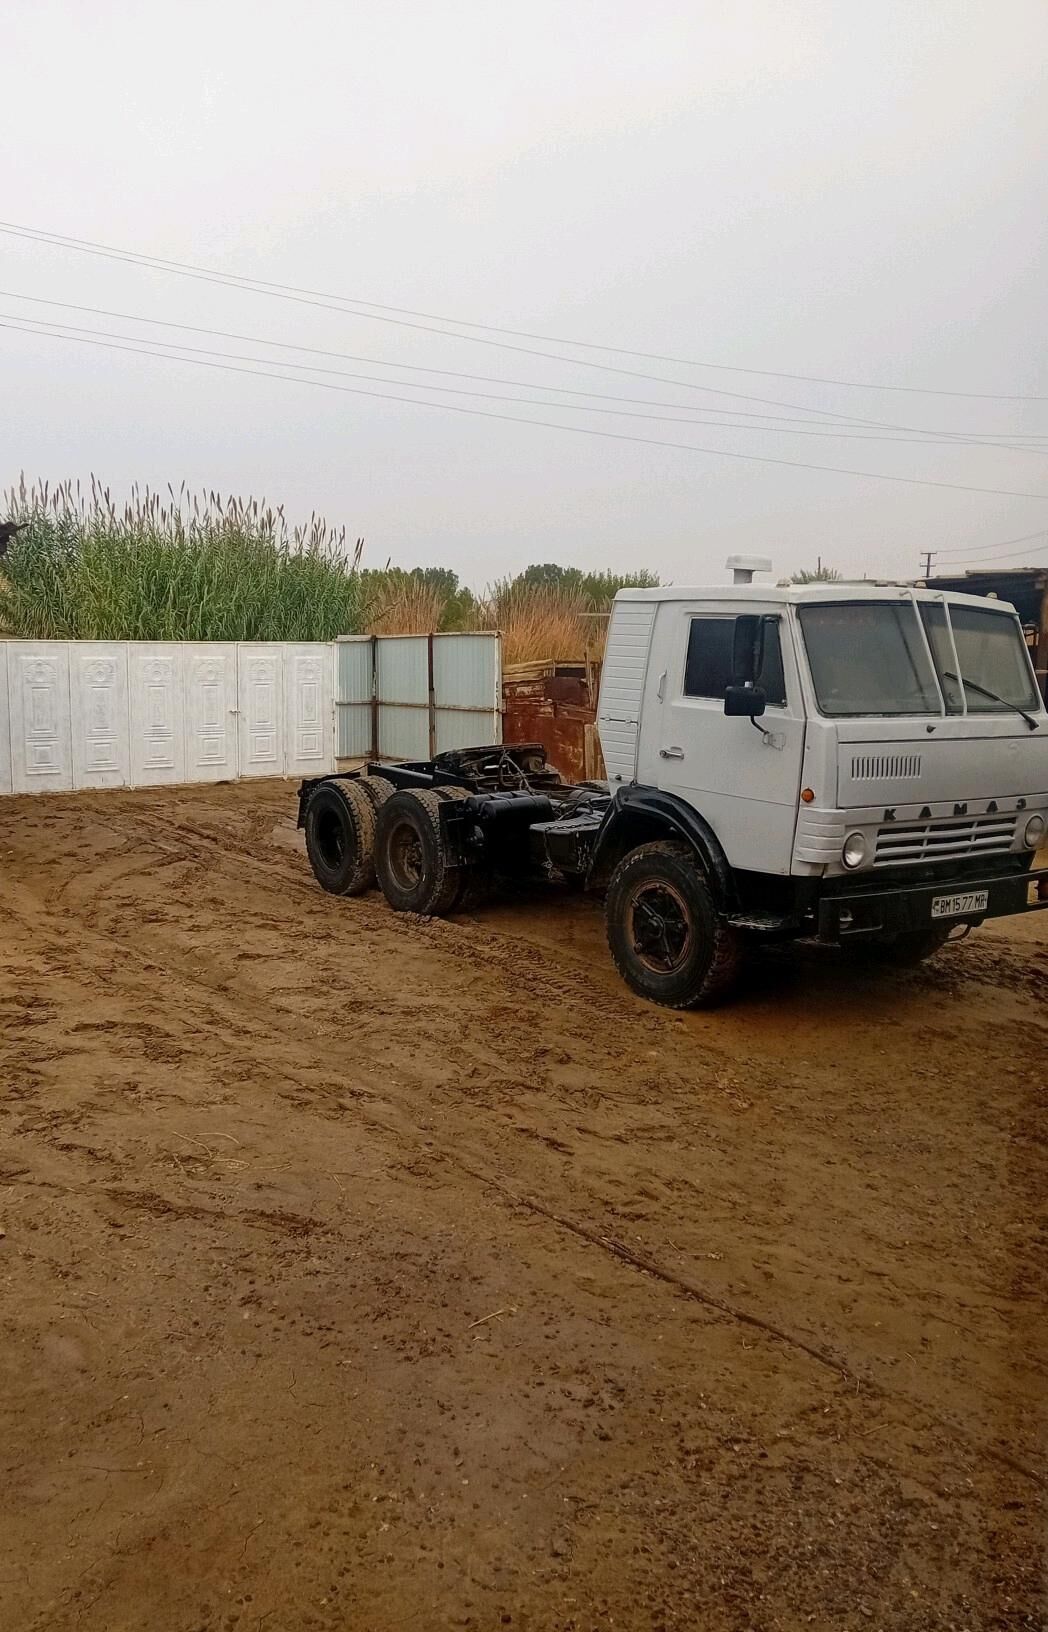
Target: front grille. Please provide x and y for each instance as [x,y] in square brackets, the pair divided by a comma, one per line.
[945,840]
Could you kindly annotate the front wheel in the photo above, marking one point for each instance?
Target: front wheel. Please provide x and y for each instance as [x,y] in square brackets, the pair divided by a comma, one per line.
[669,942]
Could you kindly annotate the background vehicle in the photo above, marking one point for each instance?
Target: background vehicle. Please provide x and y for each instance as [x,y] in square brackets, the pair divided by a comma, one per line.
[866,765]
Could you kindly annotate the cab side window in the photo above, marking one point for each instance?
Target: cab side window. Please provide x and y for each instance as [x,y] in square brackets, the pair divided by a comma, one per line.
[711,645]
[710,665]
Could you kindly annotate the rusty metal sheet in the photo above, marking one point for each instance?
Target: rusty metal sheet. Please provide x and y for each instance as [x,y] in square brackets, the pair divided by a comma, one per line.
[558,709]
[565,688]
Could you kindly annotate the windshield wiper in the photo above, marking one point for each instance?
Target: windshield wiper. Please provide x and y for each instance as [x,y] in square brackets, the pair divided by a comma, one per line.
[984,691]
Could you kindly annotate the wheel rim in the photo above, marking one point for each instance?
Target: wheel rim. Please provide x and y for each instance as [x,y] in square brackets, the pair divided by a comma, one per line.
[330,837]
[659,927]
[404,853]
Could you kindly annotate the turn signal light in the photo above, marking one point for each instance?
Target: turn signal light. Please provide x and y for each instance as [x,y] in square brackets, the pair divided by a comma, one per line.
[807,794]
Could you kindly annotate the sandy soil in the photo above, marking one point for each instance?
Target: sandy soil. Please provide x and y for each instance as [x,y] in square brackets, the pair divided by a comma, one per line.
[368,1273]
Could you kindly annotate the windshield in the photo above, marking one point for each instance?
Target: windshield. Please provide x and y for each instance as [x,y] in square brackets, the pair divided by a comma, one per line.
[991,654]
[870,658]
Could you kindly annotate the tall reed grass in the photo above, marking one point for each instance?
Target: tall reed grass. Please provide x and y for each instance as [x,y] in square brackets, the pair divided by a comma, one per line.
[181,567]
[186,566]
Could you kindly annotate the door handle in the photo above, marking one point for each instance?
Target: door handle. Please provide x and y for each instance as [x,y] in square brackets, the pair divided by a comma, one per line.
[671,753]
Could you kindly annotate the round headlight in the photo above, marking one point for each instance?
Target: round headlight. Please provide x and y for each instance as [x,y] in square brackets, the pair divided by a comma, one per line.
[854,852]
[1034,832]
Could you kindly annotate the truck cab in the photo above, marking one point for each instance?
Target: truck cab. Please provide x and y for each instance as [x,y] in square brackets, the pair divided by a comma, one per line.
[866,762]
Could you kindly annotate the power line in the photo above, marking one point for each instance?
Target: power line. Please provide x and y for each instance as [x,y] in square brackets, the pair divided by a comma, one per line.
[992,439]
[1001,544]
[304,298]
[984,558]
[514,419]
[958,568]
[62,240]
[920,435]
[44,326]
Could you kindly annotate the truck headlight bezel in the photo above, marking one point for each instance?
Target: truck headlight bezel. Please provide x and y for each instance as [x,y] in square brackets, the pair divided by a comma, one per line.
[854,850]
[1034,831]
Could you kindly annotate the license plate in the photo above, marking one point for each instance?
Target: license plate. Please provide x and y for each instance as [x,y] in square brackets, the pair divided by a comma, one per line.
[958,906]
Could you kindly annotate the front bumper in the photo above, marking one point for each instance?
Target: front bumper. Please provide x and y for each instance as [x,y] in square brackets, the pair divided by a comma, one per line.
[898,908]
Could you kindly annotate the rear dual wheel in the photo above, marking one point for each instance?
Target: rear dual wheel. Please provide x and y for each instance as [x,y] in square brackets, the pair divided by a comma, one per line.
[340,832]
[415,869]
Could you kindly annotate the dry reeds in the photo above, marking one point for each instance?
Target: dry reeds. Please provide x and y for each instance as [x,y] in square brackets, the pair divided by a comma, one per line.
[540,621]
[405,605]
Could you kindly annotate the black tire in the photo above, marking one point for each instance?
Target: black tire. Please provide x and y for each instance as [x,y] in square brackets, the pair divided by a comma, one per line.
[906,950]
[377,788]
[669,942]
[340,837]
[475,883]
[415,872]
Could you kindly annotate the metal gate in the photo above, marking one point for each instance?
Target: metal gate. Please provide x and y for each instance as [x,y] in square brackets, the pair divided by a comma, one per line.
[413,696]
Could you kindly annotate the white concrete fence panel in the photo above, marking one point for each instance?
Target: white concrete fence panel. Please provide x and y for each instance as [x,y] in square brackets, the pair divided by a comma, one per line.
[99,714]
[5,730]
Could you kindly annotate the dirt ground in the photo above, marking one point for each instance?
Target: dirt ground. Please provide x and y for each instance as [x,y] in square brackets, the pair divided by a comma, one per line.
[368,1273]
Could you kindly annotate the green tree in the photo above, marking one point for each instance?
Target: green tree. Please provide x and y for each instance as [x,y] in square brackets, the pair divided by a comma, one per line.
[816,575]
[598,589]
[550,576]
[457,598]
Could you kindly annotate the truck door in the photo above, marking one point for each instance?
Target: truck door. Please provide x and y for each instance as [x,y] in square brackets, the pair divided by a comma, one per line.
[745,782]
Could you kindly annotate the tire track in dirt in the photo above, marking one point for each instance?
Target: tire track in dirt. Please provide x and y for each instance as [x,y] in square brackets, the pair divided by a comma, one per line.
[224,1009]
[498,951]
[991,966]
[635,1098]
[573,983]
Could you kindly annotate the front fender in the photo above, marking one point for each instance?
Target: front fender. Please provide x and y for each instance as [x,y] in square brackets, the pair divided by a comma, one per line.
[639,814]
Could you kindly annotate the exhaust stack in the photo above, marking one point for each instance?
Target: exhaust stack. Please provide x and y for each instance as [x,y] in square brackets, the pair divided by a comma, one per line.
[743,567]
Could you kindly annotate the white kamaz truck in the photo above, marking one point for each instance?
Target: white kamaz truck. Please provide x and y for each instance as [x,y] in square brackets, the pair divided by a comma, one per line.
[861,765]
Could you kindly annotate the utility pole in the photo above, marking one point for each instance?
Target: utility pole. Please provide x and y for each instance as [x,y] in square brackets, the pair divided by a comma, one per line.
[929,556]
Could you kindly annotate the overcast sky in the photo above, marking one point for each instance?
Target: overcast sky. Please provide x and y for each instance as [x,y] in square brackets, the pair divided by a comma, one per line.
[837,189]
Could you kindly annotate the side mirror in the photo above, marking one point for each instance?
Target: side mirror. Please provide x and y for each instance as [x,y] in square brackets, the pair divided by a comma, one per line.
[746,655]
[745,702]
